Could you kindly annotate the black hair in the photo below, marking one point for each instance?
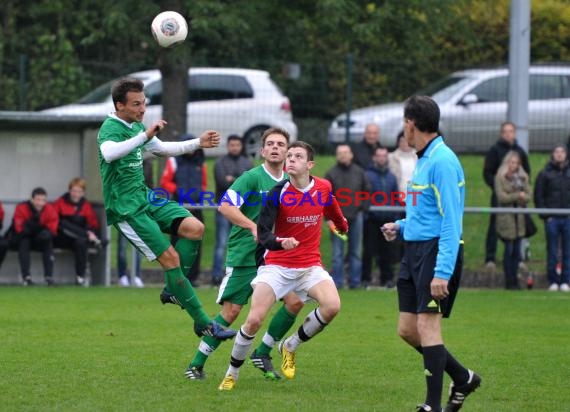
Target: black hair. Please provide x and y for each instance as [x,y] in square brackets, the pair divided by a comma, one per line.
[39,191]
[424,112]
[235,137]
[122,86]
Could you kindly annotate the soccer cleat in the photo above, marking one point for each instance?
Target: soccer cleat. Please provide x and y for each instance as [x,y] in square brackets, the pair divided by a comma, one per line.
[227,384]
[287,361]
[553,287]
[263,363]
[564,287]
[457,394]
[195,373]
[79,280]
[49,281]
[215,330]
[424,408]
[28,281]
[167,297]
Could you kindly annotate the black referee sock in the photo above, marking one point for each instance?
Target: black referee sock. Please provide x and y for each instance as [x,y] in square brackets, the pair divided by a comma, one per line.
[434,363]
[456,371]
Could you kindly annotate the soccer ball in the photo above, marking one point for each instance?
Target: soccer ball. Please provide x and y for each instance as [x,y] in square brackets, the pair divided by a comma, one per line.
[169,28]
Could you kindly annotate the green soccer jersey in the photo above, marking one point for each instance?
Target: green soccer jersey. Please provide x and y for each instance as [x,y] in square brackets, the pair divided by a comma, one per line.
[124,190]
[251,187]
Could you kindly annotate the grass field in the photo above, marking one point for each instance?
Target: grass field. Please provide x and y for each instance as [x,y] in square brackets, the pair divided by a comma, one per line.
[113,349]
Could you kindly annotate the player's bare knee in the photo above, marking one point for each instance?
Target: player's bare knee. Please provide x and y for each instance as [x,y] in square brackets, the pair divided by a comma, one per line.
[293,305]
[407,334]
[253,323]
[191,228]
[329,309]
[169,258]
[231,312]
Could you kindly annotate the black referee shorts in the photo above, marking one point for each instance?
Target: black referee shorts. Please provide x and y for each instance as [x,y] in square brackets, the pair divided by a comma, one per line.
[416,273]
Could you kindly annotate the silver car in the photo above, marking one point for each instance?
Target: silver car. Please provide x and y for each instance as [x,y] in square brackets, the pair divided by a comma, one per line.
[473,105]
[230,100]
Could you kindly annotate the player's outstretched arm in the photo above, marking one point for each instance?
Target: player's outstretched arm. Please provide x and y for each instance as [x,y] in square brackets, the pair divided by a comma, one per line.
[157,147]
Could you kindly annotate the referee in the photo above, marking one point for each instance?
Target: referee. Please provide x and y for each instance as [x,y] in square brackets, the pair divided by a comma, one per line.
[431,266]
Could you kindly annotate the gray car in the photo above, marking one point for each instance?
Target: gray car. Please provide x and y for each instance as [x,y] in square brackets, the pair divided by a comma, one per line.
[473,105]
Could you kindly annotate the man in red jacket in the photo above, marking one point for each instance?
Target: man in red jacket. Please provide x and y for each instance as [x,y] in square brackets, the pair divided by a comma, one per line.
[78,225]
[35,226]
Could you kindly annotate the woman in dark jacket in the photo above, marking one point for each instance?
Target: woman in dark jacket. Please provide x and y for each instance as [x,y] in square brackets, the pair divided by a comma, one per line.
[513,190]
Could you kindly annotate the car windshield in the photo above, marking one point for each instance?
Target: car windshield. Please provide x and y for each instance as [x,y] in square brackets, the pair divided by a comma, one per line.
[99,95]
[102,93]
[443,89]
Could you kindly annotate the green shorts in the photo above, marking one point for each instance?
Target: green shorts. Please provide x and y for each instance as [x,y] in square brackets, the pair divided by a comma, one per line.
[145,228]
[236,285]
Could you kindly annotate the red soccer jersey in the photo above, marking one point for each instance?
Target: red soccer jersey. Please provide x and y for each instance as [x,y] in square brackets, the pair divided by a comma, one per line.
[290,212]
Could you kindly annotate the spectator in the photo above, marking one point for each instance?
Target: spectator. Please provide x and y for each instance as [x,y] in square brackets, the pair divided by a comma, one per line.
[226,170]
[35,226]
[364,150]
[349,178]
[3,240]
[375,244]
[493,159]
[513,190]
[402,162]
[185,178]
[78,225]
[552,190]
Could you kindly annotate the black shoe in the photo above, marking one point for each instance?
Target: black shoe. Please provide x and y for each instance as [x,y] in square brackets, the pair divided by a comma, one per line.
[424,408]
[167,297]
[49,281]
[215,330]
[195,373]
[457,394]
[28,281]
[263,363]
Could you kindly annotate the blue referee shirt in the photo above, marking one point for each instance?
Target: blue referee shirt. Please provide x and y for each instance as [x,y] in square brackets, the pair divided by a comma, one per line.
[435,203]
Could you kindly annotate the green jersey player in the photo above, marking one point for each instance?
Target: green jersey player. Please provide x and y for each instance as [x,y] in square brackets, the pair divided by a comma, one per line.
[131,206]
[241,205]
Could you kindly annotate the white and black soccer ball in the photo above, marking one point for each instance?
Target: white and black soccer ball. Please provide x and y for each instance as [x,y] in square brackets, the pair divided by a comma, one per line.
[169,28]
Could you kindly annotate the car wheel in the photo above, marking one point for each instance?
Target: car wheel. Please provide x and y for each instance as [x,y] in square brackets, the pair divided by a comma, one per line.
[252,140]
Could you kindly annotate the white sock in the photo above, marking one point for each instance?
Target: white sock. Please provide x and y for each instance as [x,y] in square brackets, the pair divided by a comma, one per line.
[312,325]
[268,340]
[205,349]
[241,347]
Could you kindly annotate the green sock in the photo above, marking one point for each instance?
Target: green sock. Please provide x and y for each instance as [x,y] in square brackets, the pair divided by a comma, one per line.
[187,251]
[184,292]
[212,344]
[280,324]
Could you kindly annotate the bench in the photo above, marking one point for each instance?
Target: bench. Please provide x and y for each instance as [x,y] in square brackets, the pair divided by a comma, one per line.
[98,265]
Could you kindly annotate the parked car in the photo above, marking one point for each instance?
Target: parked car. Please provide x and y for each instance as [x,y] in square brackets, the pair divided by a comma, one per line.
[473,104]
[241,101]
